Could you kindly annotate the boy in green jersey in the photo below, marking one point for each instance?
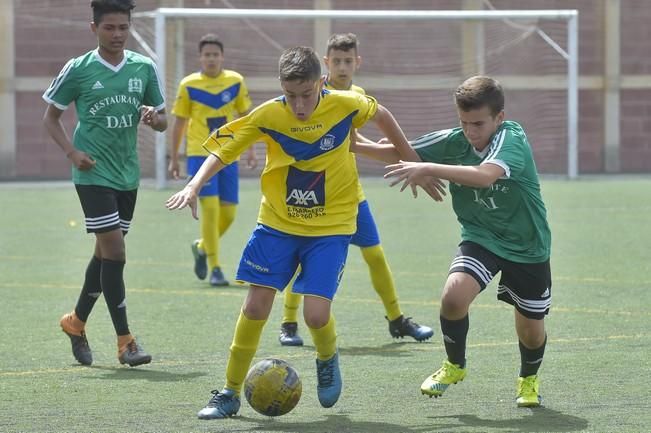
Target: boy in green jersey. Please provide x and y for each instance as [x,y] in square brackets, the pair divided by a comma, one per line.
[342,60]
[113,90]
[496,196]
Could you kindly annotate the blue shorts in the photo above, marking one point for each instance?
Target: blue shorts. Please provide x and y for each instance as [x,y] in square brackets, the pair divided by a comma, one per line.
[366,234]
[271,258]
[224,184]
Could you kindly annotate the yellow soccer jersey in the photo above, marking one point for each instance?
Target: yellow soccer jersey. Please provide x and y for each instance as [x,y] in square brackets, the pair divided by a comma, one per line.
[353,88]
[356,89]
[309,179]
[209,103]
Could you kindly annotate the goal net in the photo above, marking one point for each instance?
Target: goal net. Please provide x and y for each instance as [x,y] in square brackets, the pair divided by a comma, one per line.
[411,62]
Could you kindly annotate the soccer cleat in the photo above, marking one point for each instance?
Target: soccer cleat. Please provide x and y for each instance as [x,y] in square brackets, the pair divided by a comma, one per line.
[528,395]
[289,334]
[222,404]
[329,381]
[404,326]
[217,278]
[200,264]
[80,348]
[132,354]
[448,374]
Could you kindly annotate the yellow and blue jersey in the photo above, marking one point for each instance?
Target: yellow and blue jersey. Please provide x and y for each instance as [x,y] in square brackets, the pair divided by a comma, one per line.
[309,182]
[209,103]
[352,88]
[361,91]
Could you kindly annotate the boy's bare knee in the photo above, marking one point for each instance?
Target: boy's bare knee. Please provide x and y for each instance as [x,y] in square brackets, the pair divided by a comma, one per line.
[316,320]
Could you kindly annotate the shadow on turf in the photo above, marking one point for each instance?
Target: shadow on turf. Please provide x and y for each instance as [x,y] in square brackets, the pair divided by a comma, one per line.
[121,373]
[332,423]
[389,350]
[535,420]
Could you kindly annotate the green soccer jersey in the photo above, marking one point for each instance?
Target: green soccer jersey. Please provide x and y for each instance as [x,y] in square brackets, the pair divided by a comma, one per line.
[107,101]
[509,217]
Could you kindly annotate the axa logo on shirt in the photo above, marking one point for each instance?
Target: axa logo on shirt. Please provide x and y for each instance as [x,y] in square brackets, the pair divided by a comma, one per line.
[302,198]
[305,188]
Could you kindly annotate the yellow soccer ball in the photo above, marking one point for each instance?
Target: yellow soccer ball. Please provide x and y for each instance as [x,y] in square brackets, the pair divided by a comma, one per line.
[272,387]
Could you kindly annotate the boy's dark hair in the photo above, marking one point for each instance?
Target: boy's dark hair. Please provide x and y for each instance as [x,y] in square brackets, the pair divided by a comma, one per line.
[342,42]
[209,39]
[102,7]
[299,64]
[478,92]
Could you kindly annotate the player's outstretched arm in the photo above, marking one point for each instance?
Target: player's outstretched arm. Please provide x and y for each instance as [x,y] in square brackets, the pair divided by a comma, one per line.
[188,195]
[392,131]
[418,174]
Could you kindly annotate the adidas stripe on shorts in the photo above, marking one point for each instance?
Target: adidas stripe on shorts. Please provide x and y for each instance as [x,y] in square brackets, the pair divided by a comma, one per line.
[106,209]
[526,286]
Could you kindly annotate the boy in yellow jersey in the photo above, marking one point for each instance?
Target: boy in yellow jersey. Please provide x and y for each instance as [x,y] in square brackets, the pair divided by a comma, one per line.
[342,60]
[307,213]
[205,101]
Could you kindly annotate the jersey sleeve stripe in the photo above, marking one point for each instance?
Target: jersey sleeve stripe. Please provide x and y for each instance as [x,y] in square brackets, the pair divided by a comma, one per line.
[496,145]
[430,139]
[56,83]
[161,87]
[56,104]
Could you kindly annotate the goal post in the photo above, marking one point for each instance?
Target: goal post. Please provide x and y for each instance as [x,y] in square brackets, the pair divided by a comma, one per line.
[531,52]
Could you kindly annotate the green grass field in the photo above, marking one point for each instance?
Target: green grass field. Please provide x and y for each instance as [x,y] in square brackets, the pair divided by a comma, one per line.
[595,376]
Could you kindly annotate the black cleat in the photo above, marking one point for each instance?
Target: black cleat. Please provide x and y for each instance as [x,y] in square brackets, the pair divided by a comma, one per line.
[80,348]
[289,334]
[405,327]
[134,355]
[217,278]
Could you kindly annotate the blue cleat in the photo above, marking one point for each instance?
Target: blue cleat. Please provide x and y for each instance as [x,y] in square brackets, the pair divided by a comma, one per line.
[200,264]
[329,381]
[217,278]
[222,404]
[404,326]
[289,334]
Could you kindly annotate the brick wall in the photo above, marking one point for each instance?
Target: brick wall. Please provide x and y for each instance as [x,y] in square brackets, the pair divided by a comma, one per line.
[48,32]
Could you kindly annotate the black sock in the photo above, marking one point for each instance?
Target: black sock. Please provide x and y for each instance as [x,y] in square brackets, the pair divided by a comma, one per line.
[454,336]
[114,294]
[91,289]
[530,359]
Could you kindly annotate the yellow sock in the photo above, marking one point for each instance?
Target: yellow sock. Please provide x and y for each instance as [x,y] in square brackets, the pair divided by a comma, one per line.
[245,344]
[209,226]
[291,303]
[325,340]
[382,280]
[226,217]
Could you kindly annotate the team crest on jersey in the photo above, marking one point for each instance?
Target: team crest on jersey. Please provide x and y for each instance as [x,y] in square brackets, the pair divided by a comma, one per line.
[135,85]
[306,190]
[327,142]
[226,97]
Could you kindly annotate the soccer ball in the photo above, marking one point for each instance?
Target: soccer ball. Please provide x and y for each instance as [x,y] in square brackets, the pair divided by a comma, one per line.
[272,387]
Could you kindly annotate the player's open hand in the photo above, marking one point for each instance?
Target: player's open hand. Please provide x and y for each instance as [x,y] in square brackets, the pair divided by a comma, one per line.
[174,168]
[149,115]
[81,160]
[251,160]
[186,197]
[414,175]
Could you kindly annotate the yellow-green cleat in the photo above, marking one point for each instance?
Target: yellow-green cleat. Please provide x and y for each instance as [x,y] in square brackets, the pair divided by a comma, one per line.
[528,395]
[448,374]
